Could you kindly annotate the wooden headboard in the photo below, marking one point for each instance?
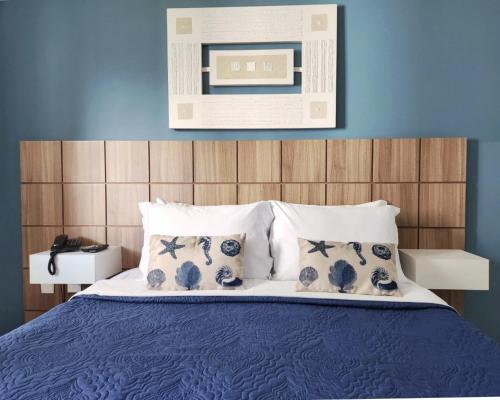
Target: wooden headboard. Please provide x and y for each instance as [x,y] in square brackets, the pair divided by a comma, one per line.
[91,188]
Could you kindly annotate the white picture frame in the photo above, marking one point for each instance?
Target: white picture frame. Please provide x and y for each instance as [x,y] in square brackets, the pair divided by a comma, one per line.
[313,26]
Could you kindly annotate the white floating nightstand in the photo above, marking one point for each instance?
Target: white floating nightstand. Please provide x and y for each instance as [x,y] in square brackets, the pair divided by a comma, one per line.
[75,268]
[445,269]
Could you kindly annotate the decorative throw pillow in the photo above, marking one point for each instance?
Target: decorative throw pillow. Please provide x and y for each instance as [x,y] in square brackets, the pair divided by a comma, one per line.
[360,268]
[368,222]
[195,262]
[176,219]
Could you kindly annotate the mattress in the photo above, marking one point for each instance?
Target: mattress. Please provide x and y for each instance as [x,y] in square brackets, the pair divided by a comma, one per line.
[118,340]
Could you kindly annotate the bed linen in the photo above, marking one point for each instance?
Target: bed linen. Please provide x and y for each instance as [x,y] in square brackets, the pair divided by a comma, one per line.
[113,342]
[132,284]
[179,219]
[361,223]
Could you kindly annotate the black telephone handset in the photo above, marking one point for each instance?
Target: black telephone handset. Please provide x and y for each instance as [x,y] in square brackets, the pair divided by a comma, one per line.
[61,245]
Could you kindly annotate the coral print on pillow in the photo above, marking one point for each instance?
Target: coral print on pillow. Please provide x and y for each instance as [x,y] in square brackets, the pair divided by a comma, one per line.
[354,267]
[195,262]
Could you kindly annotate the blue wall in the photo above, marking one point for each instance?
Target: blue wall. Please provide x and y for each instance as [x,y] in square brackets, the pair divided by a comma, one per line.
[96,69]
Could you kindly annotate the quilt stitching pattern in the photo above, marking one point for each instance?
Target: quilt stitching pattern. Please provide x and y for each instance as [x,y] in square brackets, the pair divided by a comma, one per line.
[246,348]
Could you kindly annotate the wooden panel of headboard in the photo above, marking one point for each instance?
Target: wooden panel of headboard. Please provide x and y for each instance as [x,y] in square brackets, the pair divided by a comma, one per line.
[91,188]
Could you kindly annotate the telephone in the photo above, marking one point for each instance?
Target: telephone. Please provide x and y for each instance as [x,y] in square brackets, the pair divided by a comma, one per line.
[61,245]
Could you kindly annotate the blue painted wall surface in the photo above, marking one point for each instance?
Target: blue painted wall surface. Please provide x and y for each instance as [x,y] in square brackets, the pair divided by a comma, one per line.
[96,69]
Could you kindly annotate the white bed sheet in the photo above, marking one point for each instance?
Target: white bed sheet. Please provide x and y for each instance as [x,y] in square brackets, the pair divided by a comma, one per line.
[130,283]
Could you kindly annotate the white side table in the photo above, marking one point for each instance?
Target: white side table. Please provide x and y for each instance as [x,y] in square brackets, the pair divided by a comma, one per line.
[445,269]
[75,269]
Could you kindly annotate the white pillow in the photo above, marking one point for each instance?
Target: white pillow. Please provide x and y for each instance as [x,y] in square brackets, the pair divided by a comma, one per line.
[177,219]
[370,222]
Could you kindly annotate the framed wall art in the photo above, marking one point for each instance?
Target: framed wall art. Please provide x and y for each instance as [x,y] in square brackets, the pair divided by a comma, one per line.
[310,31]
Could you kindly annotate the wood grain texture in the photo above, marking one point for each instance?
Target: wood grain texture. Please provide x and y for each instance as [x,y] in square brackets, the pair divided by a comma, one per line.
[122,203]
[40,161]
[304,193]
[66,295]
[454,298]
[31,315]
[41,204]
[83,161]
[338,194]
[259,161]
[214,194]
[171,161]
[408,238]
[36,239]
[87,234]
[84,204]
[395,160]
[402,195]
[442,205]
[250,193]
[349,160]
[296,171]
[442,238]
[172,192]
[443,160]
[130,239]
[34,300]
[127,161]
[303,161]
[215,161]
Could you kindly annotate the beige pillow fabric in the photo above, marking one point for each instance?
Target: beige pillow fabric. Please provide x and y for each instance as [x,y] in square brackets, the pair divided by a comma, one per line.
[360,268]
[195,262]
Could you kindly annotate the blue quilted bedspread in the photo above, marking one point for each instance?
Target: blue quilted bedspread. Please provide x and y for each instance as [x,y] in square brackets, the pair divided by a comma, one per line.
[245,348]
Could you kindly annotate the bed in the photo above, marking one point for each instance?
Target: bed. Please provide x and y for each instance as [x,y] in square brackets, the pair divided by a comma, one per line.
[118,340]
[265,340]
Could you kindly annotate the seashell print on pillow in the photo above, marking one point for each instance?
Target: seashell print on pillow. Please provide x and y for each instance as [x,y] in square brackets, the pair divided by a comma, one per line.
[195,262]
[354,267]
